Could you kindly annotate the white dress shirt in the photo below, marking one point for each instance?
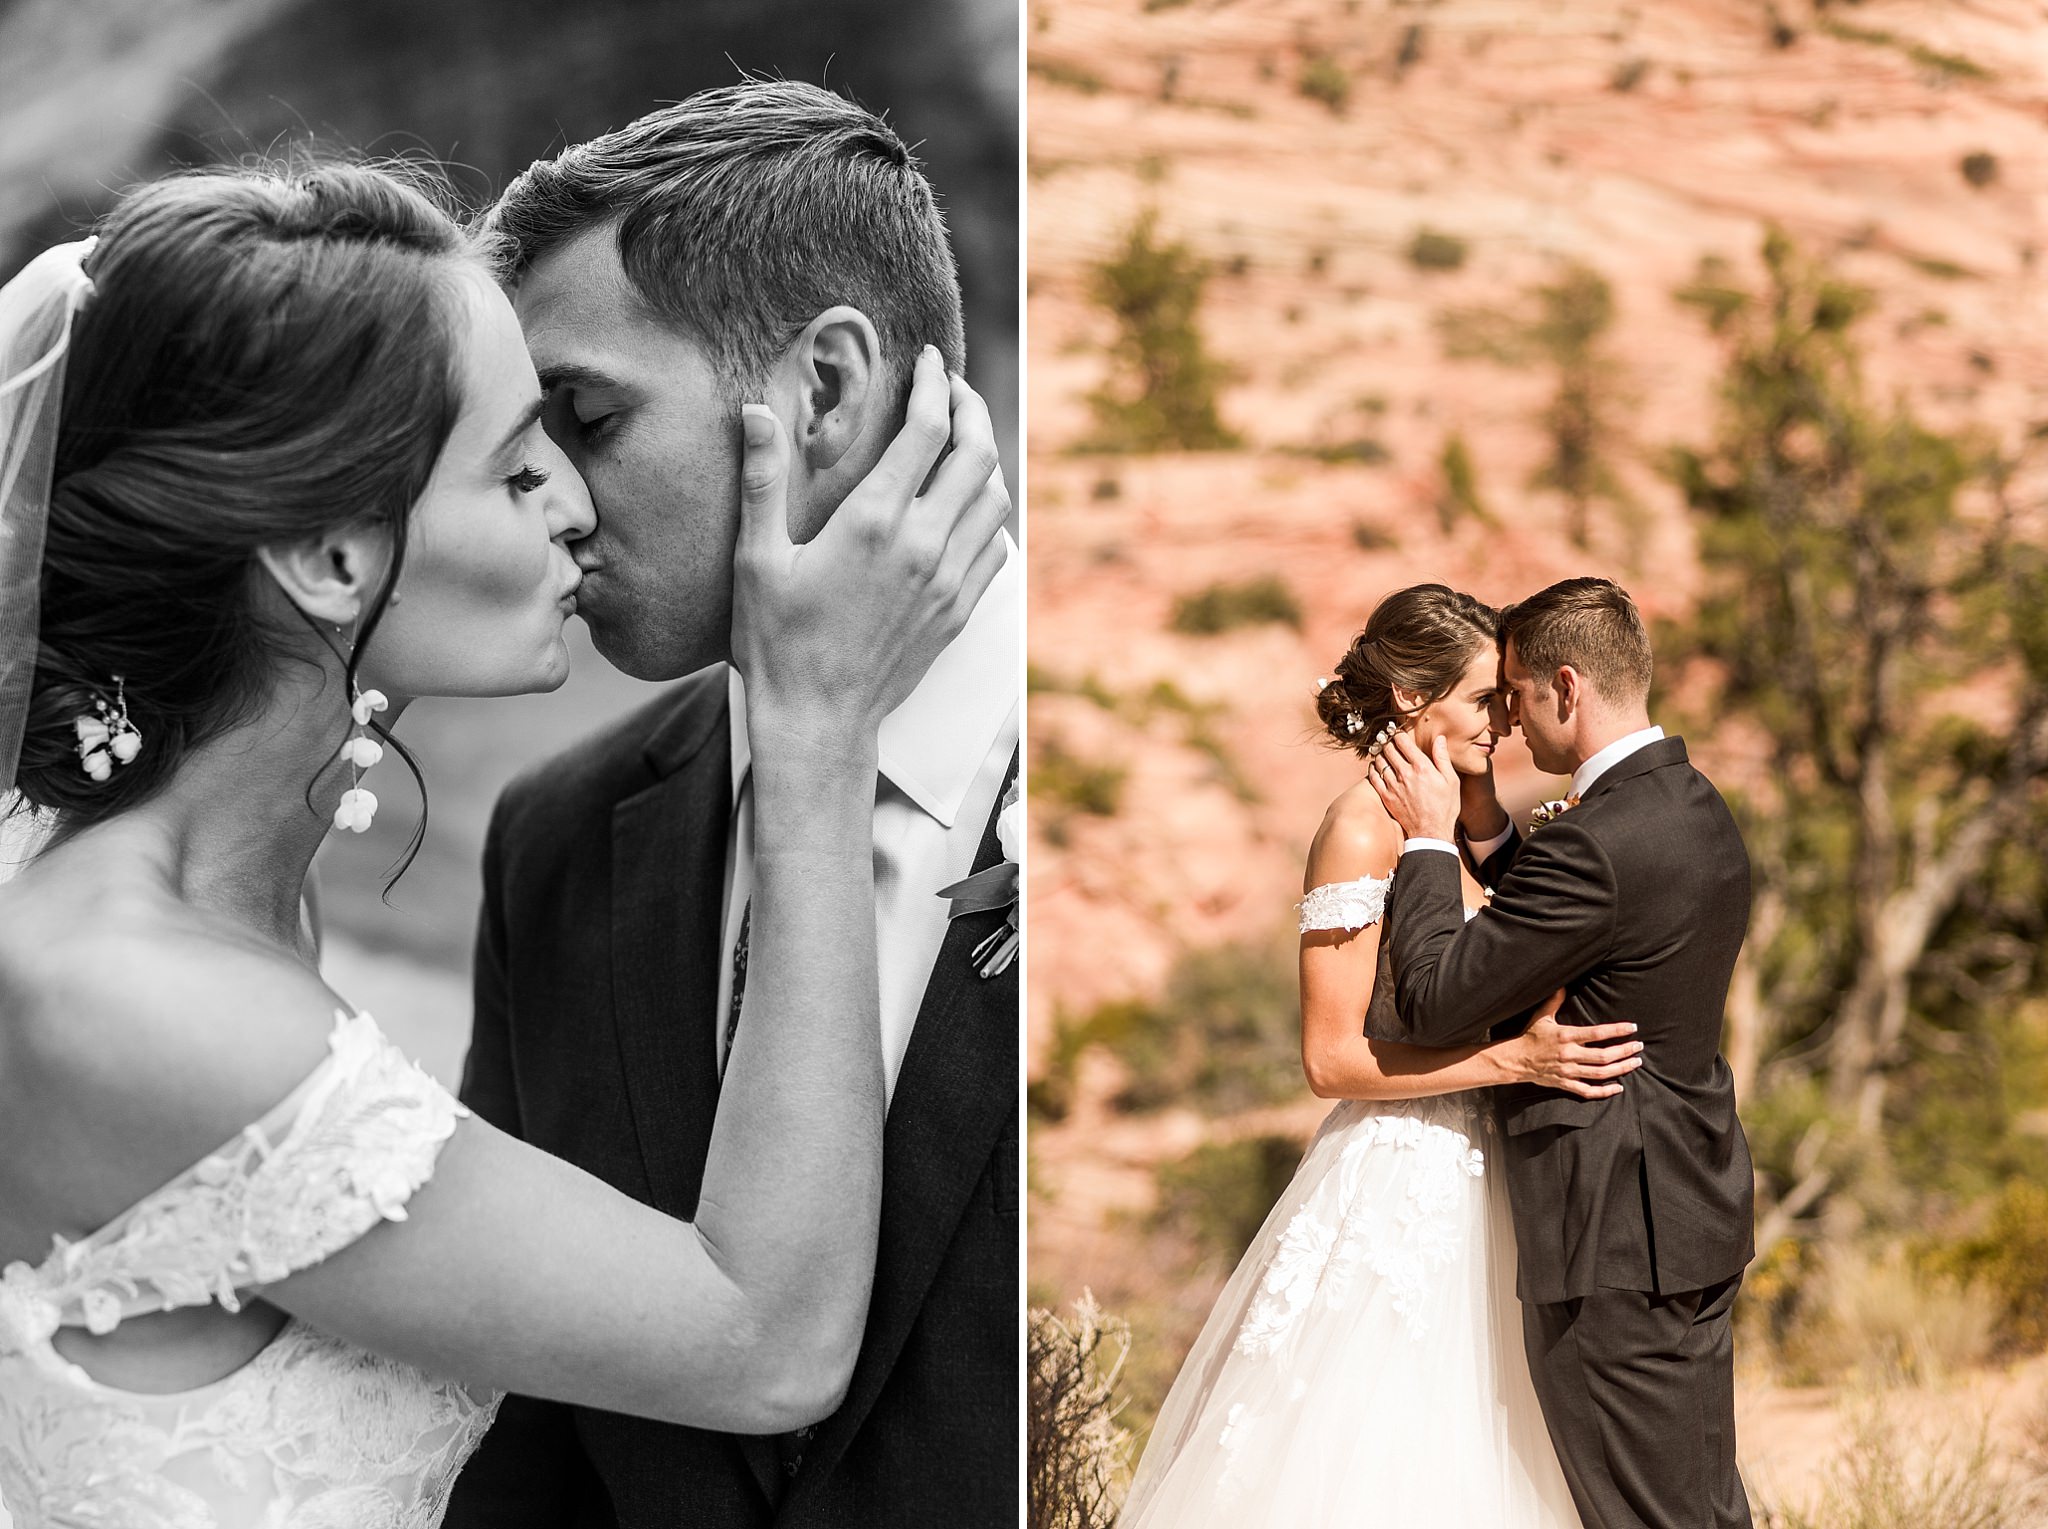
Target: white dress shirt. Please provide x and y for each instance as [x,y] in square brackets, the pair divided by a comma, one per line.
[943,755]
[1582,782]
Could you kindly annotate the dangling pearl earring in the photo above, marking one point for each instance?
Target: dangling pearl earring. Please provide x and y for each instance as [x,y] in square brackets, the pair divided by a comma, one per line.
[358,808]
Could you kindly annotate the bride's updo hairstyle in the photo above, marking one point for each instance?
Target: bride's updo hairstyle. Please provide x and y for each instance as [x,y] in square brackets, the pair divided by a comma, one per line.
[269,354]
[1421,639]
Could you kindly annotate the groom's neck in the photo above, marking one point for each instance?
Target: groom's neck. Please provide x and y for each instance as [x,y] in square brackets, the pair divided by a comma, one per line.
[1599,730]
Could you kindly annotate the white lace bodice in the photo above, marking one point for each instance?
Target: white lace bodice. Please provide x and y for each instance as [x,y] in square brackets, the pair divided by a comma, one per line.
[1344,904]
[313,1433]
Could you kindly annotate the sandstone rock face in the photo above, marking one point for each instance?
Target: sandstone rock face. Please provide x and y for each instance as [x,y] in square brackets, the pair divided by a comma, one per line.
[1634,138]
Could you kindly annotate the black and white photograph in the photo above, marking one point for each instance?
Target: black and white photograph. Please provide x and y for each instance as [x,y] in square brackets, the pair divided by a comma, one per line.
[511,688]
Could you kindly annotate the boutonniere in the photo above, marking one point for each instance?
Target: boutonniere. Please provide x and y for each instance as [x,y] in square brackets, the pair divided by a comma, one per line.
[1546,812]
[996,887]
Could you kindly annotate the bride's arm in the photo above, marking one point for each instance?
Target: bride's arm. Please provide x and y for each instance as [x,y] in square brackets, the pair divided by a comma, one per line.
[1338,968]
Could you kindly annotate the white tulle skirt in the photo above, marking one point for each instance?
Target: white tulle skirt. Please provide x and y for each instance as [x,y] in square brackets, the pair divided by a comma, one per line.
[1364,1365]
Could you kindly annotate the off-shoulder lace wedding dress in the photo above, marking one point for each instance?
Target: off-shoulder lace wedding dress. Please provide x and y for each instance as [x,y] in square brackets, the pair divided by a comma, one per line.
[1364,1363]
[313,1433]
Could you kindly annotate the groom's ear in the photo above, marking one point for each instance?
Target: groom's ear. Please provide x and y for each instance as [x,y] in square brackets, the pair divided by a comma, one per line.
[838,371]
[329,577]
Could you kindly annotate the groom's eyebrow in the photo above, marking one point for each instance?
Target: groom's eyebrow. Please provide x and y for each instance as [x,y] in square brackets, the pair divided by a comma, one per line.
[572,374]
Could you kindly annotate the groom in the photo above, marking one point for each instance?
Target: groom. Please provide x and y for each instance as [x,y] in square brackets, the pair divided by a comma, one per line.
[773,241]
[1632,1213]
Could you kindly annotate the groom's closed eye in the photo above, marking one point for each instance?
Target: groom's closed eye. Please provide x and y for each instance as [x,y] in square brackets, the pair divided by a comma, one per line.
[582,410]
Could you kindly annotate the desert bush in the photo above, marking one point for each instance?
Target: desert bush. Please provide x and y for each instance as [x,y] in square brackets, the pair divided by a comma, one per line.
[2009,1261]
[1077,1455]
[1458,498]
[1067,784]
[1068,76]
[1628,74]
[1223,1035]
[1883,1316]
[1431,250]
[1880,1481]
[1162,392]
[1323,79]
[1220,1193]
[1362,450]
[1224,607]
[1979,169]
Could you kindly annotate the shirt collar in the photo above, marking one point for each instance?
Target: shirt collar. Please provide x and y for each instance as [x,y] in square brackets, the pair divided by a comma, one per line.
[1615,752]
[934,743]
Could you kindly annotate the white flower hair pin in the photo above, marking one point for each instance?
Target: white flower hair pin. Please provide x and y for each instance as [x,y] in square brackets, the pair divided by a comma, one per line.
[105,735]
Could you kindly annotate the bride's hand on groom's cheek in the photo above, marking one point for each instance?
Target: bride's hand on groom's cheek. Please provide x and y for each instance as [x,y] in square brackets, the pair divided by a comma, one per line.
[1575,1059]
[1421,792]
[838,631]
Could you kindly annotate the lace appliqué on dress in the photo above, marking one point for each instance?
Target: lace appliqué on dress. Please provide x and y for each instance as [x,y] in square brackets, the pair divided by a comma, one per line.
[1401,1244]
[314,1432]
[1344,904]
[359,1137]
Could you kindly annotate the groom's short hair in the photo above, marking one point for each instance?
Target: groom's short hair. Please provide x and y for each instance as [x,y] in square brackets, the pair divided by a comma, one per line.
[1589,624]
[742,213]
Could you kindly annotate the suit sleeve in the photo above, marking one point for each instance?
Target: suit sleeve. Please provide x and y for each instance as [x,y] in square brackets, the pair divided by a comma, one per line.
[1550,920]
[530,1472]
[1493,870]
[487,1077]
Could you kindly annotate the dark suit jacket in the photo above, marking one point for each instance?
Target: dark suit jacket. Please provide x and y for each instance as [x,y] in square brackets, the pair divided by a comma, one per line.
[1635,902]
[596,986]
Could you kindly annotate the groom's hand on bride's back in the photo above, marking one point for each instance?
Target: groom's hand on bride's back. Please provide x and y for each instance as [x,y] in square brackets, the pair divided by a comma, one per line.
[841,628]
[1586,1060]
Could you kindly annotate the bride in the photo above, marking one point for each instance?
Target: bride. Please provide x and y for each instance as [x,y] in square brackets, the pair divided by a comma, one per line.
[1364,1363]
[270,467]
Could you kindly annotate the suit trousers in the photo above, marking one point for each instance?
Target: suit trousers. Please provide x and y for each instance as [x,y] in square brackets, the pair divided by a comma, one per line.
[1639,1392]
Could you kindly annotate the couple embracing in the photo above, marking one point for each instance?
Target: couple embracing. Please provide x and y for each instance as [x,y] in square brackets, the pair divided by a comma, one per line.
[283,450]
[1366,1362]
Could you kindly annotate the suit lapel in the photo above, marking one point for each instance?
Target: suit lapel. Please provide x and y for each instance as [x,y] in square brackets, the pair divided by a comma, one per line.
[1668,750]
[957,1086]
[668,890]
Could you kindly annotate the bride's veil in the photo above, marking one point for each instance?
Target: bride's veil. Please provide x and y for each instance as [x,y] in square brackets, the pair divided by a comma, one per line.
[36,309]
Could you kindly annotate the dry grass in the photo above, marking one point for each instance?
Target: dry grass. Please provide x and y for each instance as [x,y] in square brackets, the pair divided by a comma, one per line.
[1881,1319]
[1886,1479]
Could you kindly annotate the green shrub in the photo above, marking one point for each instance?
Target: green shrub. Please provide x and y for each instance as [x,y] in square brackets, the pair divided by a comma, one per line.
[1162,393]
[1225,1034]
[1067,781]
[1323,79]
[1363,451]
[1980,169]
[1459,498]
[1628,74]
[1223,607]
[1068,76]
[1431,250]
[1220,1194]
[2008,1259]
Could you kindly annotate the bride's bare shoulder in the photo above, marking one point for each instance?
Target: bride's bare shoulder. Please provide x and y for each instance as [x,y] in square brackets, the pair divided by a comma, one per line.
[1356,839]
[125,1017]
